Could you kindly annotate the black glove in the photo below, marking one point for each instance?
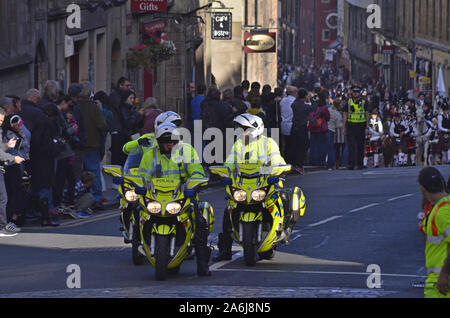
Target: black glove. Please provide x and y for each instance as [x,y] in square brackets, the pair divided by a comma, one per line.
[144,142]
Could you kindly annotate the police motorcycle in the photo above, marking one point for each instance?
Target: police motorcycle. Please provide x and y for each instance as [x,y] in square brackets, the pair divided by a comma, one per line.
[166,222]
[260,210]
[127,178]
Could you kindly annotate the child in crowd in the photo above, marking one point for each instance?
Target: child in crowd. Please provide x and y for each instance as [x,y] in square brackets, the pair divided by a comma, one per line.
[84,199]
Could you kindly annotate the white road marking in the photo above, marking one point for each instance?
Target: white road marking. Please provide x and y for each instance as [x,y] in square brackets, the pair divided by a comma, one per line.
[364,207]
[313,272]
[218,265]
[401,197]
[325,241]
[325,221]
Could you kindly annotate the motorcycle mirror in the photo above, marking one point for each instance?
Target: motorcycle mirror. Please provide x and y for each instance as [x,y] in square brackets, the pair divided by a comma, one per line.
[114,171]
[221,171]
[194,183]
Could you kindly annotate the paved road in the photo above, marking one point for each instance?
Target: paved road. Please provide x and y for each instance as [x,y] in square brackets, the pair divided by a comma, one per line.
[354,219]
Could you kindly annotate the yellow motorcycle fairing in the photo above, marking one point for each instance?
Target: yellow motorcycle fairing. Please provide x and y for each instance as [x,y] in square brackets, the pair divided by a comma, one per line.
[165,191]
[249,177]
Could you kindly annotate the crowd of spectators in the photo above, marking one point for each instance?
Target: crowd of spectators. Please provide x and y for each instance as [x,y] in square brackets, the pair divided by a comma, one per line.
[52,148]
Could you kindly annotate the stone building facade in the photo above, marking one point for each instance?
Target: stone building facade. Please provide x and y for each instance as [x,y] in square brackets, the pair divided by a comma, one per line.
[408,50]
[38,46]
[359,41]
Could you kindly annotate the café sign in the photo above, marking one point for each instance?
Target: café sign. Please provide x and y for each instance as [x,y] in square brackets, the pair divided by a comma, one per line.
[260,43]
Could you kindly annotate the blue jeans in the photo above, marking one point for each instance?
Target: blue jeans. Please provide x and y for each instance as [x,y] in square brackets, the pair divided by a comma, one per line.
[3,202]
[318,150]
[331,161]
[92,163]
[344,162]
[47,194]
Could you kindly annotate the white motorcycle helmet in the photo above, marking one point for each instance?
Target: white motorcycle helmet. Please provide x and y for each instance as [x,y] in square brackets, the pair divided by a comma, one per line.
[250,122]
[167,132]
[168,117]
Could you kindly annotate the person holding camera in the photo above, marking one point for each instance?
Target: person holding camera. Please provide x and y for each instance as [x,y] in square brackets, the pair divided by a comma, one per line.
[6,229]
[13,128]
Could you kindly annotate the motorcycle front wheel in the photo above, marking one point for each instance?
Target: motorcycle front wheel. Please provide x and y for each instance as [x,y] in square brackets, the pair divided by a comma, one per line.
[161,256]
[138,258]
[249,243]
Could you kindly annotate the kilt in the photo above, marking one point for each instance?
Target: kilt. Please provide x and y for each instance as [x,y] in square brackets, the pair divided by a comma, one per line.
[373,147]
[411,144]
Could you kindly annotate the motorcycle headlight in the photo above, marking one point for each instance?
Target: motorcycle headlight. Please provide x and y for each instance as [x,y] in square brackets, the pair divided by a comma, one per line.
[258,195]
[154,207]
[240,195]
[131,196]
[173,208]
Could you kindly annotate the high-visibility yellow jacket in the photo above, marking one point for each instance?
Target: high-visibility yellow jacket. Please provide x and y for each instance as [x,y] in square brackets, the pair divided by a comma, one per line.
[357,112]
[129,146]
[183,163]
[437,230]
[262,150]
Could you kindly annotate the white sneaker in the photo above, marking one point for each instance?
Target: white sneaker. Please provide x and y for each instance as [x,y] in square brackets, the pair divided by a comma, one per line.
[11,227]
[5,233]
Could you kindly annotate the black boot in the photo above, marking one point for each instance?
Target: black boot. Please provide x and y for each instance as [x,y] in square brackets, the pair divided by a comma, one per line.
[225,244]
[202,251]
[203,255]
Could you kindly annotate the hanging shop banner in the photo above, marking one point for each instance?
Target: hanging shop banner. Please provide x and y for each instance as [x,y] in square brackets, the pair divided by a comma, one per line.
[148,5]
[221,26]
[412,74]
[260,43]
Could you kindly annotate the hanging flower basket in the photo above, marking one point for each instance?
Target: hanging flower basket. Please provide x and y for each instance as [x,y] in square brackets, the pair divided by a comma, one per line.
[155,49]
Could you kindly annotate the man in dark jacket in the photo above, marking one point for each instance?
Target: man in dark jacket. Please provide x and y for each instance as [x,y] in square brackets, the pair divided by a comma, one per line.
[238,101]
[299,132]
[95,124]
[118,138]
[41,164]
[216,114]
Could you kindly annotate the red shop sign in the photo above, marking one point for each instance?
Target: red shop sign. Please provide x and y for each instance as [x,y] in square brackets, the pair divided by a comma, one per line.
[148,5]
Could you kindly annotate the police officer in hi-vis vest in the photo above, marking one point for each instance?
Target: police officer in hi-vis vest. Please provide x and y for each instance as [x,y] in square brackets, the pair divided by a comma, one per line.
[355,125]
[436,226]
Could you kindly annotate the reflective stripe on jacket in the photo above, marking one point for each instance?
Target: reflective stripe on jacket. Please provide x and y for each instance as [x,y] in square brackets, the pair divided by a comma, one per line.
[261,150]
[356,111]
[182,163]
[437,231]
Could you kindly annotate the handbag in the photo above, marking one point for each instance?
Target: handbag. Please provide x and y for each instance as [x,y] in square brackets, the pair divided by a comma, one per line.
[315,121]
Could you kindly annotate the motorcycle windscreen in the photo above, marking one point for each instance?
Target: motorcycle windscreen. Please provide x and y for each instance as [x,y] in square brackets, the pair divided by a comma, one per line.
[249,169]
[133,161]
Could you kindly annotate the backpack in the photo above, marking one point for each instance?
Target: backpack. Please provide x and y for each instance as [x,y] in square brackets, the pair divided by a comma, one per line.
[315,121]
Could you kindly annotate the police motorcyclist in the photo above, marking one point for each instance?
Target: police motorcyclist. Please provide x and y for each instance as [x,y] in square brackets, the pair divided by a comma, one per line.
[136,148]
[149,140]
[253,147]
[178,160]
